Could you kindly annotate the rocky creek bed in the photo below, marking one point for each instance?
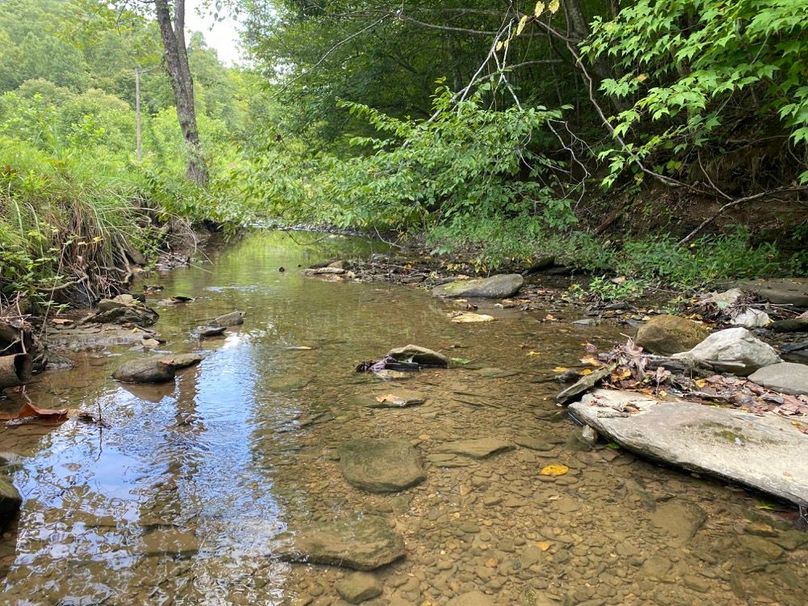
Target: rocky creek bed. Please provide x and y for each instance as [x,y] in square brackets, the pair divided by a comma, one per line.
[200,490]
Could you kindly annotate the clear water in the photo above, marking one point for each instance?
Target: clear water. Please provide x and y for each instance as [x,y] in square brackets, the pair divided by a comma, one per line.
[177,499]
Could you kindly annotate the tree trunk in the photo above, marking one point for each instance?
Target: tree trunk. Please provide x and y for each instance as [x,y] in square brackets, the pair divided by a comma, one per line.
[179,73]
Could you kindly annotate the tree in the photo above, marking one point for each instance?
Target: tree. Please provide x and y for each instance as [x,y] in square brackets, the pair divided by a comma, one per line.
[172,32]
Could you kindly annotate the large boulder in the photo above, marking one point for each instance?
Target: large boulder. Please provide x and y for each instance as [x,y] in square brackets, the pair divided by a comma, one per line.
[764,452]
[785,377]
[381,465]
[500,286]
[666,335]
[734,350]
[147,370]
[360,543]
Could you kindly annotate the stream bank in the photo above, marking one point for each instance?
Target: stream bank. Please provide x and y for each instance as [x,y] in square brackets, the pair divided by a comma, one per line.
[184,491]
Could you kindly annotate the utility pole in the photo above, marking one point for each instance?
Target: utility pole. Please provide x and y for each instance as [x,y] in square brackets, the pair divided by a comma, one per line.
[137,116]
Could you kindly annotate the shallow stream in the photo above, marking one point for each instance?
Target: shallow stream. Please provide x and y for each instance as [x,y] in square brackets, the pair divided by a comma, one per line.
[176,499]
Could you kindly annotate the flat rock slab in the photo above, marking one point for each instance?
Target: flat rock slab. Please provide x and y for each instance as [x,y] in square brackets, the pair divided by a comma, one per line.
[477,449]
[781,291]
[785,377]
[361,543]
[763,452]
[381,465]
[472,598]
[496,287]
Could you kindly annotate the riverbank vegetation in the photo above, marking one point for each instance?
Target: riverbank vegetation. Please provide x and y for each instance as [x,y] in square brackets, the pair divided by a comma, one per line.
[664,141]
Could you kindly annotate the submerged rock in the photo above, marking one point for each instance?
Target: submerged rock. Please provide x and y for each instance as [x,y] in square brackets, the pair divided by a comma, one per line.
[496,287]
[148,370]
[359,587]
[764,452]
[419,355]
[733,350]
[477,449]
[785,377]
[472,598]
[679,520]
[361,543]
[402,399]
[381,465]
[234,318]
[10,500]
[666,334]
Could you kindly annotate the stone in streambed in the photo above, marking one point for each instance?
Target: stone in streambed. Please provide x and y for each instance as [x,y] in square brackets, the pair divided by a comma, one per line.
[359,587]
[781,291]
[472,598]
[792,325]
[584,384]
[764,452]
[666,334]
[734,350]
[10,500]
[419,355]
[476,449]
[381,465]
[785,377]
[678,521]
[402,399]
[361,543]
[179,361]
[234,318]
[148,370]
[496,287]
[169,541]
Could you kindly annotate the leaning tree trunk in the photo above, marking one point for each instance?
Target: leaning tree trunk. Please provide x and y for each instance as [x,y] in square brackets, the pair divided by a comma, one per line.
[179,73]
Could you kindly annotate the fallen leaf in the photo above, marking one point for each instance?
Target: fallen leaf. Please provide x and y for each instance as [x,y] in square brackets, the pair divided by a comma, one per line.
[543,545]
[554,470]
[550,318]
[533,353]
[28,411]
[585,372]
[591,361]
[560,369]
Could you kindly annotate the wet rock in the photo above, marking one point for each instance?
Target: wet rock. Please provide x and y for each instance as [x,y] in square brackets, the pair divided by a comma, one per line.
[476,449]
[203,332]
[584,384]
[234,318]
[497,373]
[325,271]
[496,287]
[785,377]
[359,587]
[123,309]
[666,334]
[760,546]
[781,291]
[759,451]
[792,325]
[148,370]
[796,352]
[679,521]
[178,361]
[751,318]
[532,443]
[401,399]
[472,598]
[362,543]
[381,465]
[733,350]
[419,355]
[10,500]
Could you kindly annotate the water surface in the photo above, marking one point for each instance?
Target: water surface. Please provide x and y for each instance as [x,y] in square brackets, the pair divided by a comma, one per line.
[177,498]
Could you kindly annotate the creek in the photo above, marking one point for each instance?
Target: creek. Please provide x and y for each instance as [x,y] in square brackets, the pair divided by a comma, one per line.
[177,497]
